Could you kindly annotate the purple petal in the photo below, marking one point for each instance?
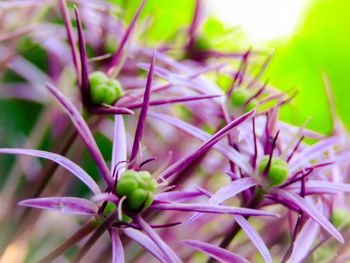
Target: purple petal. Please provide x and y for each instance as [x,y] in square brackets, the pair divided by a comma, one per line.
[116,57]
[62,161]
[232,189]
[169,254]
[222,255]
[119,151]
[311,211]
[145,242]
[186,160]
[143,114]
[213,209]
[254,237]
[105,197]
[305,240]
[323,186]
[111,110]
[227,151]
[70,36]
[227,192]
[177,196]
[312,152]
[84,133]
[117,247]
[66,205]
[85,84]
[172,101]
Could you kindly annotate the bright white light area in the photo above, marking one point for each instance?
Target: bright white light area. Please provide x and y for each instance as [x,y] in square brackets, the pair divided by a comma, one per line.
[261,20]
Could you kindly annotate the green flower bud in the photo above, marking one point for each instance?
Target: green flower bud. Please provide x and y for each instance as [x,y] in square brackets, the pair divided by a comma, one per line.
[278,172]
[139,189]
[103,89]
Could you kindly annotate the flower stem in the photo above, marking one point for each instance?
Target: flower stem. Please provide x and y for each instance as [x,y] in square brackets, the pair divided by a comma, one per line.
[236,227]
[71,241]
[95,236]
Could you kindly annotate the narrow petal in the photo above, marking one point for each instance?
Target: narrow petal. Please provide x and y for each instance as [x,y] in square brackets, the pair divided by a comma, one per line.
[172,101]
[105,197]
[225,150]
[119,151]
[117,247]
[177,196]
[311,211]
[116,57]
[186,160]
[145,242]
[227,192]
[169,254]
[85,84]
[305,240]
[66,205]
[62,161]
[326,186]
[111,110]
[70,36]
[254,237]
[222,255]
[84,133]
[312,152]
[143,114]
[213,209]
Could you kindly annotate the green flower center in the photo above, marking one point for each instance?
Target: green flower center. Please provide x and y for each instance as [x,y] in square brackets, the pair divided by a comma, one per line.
[138,187]
[278,172]
[103,89]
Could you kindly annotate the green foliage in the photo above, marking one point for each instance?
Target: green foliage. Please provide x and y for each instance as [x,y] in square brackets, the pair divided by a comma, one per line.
[320,46]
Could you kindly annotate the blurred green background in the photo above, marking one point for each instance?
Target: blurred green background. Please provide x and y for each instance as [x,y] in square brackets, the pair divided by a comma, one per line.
[319,44]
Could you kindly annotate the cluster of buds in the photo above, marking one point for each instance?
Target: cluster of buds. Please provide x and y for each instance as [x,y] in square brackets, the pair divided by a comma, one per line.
[157,187]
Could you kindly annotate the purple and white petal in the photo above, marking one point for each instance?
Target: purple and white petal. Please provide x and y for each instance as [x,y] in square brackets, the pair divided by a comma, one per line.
[186,160]
[145,242]
[84,133]
[220,254]
[117,247]
[65,205]
[224,149]
[254,237]
[177,196]
[119,151]
[212,209]
[62,161]
[227,192]
[105,197]
[169,254]
[310,210]
[143,114]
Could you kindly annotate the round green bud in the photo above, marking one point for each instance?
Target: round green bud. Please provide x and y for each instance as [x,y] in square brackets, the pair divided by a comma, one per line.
[278,172]
[340,218]
[103,89]
[138,188]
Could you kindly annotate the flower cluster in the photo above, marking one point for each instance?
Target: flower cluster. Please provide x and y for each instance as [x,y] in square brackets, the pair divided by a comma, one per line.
[198,165]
